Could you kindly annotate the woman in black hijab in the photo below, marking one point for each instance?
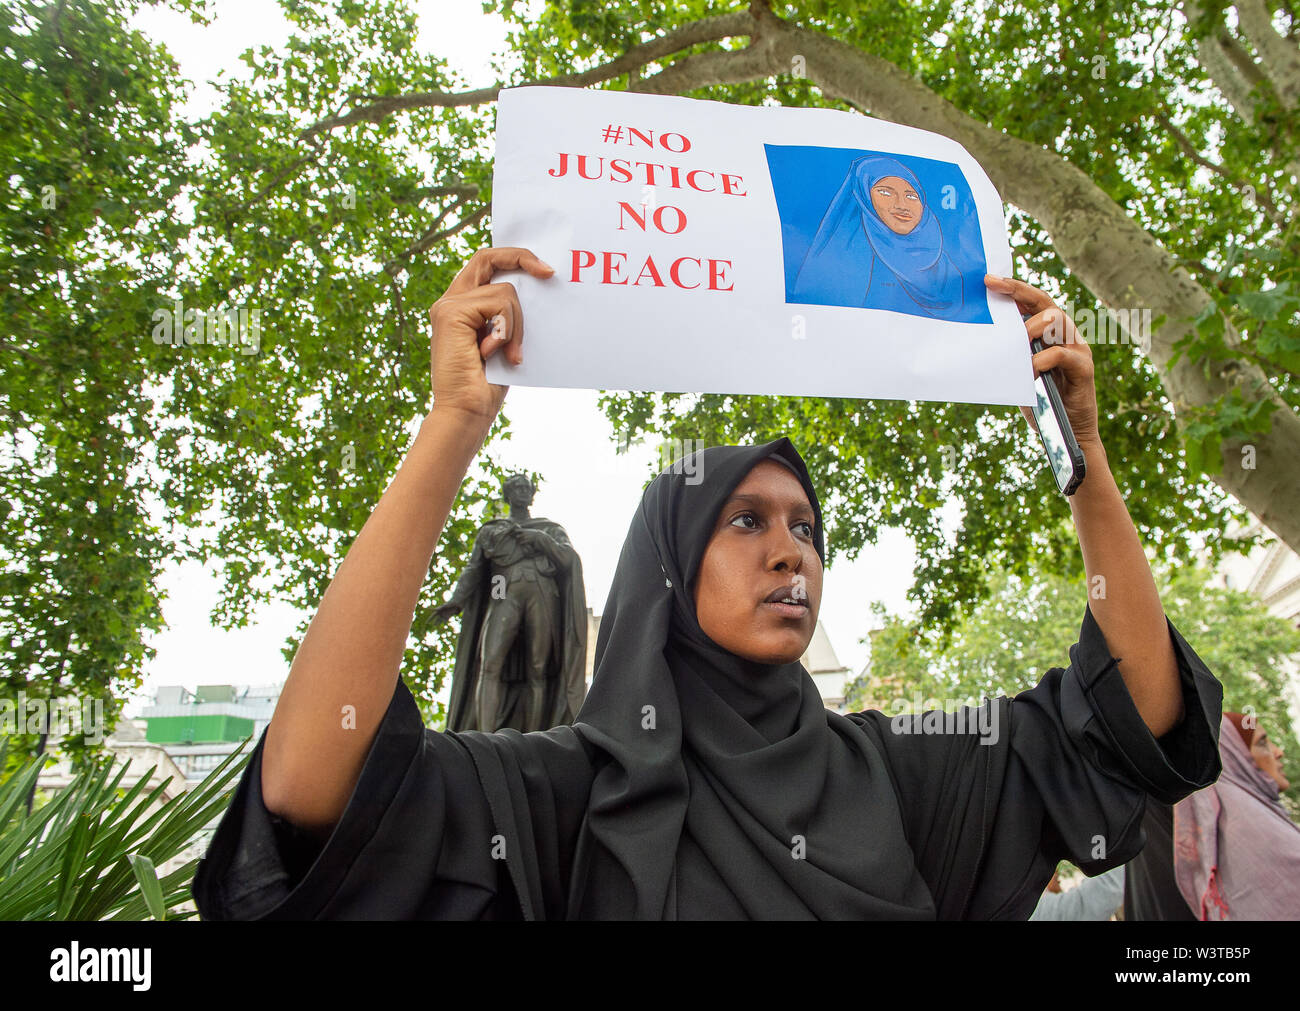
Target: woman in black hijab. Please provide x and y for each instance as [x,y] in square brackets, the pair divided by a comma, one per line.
[703,777]
[745,798]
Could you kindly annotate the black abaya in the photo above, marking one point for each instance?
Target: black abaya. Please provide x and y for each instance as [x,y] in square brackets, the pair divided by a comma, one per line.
[1151,889]
[699,785]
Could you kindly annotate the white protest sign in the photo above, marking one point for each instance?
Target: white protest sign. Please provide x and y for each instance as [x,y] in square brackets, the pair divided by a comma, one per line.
[706,247]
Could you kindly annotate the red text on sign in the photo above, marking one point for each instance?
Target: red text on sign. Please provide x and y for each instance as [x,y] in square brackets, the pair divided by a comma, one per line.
[711,273]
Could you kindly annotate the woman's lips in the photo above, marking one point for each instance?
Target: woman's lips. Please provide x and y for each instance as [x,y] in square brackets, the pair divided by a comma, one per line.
[787,610]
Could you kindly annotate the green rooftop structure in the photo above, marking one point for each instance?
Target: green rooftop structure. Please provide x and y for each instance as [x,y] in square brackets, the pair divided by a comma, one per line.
[198,728]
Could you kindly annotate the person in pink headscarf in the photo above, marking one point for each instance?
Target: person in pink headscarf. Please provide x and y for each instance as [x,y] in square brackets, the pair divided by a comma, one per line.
[1236,852]
[1228,851]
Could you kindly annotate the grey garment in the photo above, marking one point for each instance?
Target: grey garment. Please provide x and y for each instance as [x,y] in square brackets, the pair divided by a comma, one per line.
[1092,899]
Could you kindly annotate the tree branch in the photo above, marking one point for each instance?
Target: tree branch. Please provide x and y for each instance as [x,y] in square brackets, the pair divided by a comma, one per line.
[6,346]
[435,235]
[1261,192]
[276,180]
[1279,59]
[1241,59]
[705,30]
[462,190]
[755,62]
[1233,76]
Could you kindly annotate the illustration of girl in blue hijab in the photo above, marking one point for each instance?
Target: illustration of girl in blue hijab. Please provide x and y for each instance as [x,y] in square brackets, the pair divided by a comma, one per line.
[879,246]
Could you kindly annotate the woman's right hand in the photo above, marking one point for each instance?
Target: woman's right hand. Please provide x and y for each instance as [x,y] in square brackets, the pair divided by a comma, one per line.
[471,322]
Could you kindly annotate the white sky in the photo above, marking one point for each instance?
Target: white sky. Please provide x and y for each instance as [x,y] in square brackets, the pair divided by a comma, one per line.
[594,506]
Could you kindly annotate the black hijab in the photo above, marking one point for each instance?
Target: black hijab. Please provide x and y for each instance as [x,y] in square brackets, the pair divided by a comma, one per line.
[724,787]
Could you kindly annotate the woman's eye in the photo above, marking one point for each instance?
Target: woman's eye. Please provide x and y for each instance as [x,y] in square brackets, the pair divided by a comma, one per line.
[751,516]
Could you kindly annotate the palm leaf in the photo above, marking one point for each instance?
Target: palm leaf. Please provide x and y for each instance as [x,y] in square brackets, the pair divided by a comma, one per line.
[93,850]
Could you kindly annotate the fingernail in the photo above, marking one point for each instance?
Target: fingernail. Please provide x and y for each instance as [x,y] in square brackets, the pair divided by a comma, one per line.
[547,266]
[498,326]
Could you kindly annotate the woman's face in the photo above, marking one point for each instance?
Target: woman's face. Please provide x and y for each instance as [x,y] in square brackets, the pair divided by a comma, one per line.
[762,541]
[1268,756]
[897,203]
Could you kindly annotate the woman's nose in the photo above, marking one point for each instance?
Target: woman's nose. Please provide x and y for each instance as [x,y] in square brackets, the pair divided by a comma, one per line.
[787,549]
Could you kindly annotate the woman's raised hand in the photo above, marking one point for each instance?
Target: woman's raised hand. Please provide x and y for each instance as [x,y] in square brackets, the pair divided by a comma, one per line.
[1066,352]
[471,322]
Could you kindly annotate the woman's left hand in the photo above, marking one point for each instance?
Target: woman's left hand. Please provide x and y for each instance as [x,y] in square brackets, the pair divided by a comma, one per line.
[1067,353]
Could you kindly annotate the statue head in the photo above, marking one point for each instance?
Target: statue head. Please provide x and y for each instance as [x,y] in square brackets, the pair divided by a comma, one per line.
[518,490]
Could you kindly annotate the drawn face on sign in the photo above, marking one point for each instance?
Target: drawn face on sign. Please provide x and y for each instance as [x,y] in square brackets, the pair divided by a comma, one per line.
[897,203]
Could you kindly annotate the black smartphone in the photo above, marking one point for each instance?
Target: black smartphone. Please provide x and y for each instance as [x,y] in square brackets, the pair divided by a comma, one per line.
[1062,449]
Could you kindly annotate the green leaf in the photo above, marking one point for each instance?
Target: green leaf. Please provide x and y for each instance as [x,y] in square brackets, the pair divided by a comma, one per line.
[144,871]
[1267,305]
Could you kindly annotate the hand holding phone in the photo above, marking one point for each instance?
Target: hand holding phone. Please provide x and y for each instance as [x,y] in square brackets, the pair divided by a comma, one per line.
[1062,449]
[1065,401]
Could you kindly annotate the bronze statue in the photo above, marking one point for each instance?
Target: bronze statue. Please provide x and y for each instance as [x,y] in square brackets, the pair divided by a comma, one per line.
[522,654]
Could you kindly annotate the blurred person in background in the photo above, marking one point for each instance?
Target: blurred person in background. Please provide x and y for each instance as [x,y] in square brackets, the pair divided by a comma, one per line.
[1096,898]
[1228,852]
